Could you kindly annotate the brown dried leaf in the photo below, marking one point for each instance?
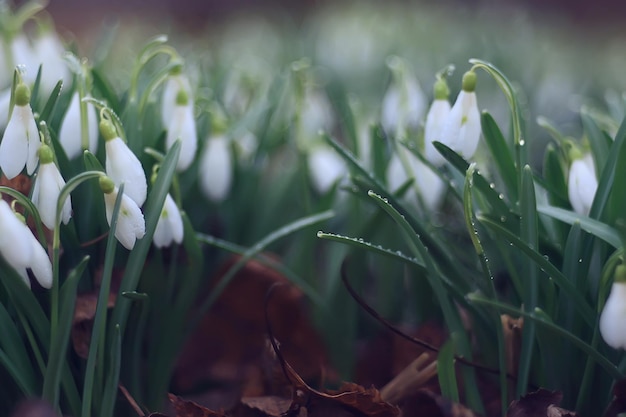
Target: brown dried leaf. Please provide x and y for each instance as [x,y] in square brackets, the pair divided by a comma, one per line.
[367,401]
[427,403]
[185,408]
[230,342]
[270,405]
[539,403]
[82,323]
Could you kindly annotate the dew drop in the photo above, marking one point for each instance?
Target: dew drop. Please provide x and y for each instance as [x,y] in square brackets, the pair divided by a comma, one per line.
[522,142]
[492,185]
[503,219]
[501,196]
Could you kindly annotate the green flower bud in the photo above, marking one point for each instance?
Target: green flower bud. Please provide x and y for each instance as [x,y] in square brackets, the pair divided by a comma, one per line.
[106,184]
[107,129]
[620,274]
[469,81]
[46,156]
[22,95]
[182,98]
[441,90]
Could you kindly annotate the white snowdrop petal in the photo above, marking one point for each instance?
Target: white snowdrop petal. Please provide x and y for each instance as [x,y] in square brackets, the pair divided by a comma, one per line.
[5,102]
[182,126]
[15,245]
[170,225]
[46,191]
[173,85]
[612,318]
[130,223]
[34,143]
[433,129]
[40,264]
[70,134]
[122,166]
[14,145]
[581,186]
[216,168]
[461,131]
[325,168]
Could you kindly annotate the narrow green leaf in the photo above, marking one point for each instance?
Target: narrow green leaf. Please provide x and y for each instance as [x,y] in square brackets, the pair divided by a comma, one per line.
[110,387]
[589,225]
[58,347]
[446,372]
[562,281]
[361,244]
[600,359]
[52,101]
[529,235]
[599,141]
[501,153]
[617,197]
[14,355]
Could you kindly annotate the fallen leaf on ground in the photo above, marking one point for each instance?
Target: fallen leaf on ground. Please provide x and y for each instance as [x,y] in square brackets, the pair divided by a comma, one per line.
[539,403]
[185,408]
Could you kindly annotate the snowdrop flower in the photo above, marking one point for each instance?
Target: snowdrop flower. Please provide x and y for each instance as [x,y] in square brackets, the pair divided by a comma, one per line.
[70,134]
[122,166]
[246,145]
[326,167]
[169,228]
[216,168]
[404,102]
[582,182]
[20,142]
[614,313]
[46,190]
[435,121]
[315,114]
[21,249]
[176,82]
[430,186]
[461,131]
[130,222]
[24,56]
[182,125]
[48,51]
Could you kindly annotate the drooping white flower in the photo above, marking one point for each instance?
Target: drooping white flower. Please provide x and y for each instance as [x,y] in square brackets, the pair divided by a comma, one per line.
[182,126]
[49,51]
[169,228]
[435,121]
[24,56]
[131,224]
[21,249]
[461,131]
[176,82]
[46,190]
[216,168]
[122,165]
[326,167]
[315,114]
[70,134]
[21,141]
[582,183]
[246,145]
[614,313]
[428,187]
[404,102]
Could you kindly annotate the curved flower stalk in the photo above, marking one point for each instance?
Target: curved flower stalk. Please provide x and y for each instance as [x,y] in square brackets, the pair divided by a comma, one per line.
[404,102]
[122,166]
[216,168]
[182,126]
[435,121]
[461,131]
[430,186]
[326,167]
[169,228]
[614,313]
[20,142]
[70,135]
[582,182]
[131,224]
[46,190]
[21,249]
